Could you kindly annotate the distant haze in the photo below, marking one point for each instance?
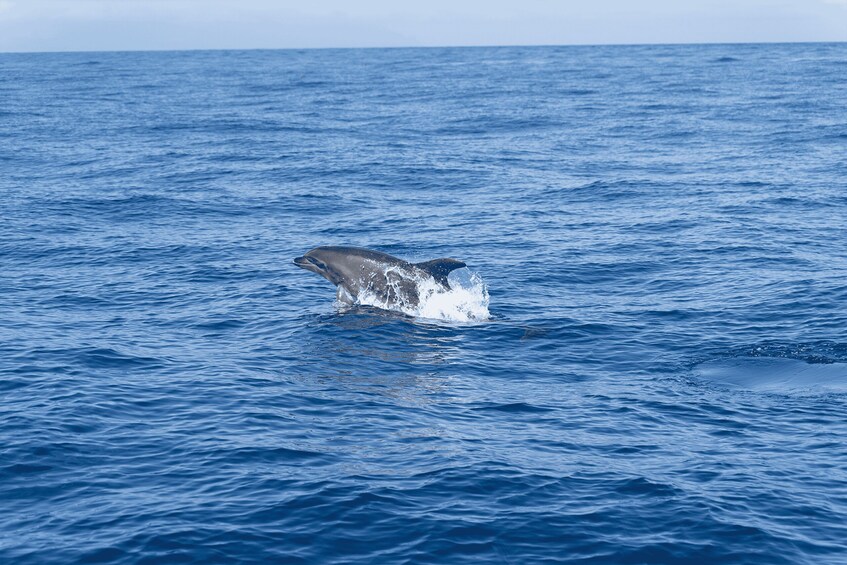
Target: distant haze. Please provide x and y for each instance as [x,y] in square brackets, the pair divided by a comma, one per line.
[80,25]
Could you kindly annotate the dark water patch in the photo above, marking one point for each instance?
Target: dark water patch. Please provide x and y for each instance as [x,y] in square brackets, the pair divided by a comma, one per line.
[515,407]
[138,207]
[605,190]
[493,124]
[110,358]
[220,325]
[96,358]
[276,455]
[10,384]
[578,92]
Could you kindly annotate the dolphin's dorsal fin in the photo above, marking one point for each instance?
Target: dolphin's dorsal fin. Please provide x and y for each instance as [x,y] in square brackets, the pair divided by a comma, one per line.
[440,268]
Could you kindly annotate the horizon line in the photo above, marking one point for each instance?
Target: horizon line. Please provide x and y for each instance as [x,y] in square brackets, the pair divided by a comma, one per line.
[376,47]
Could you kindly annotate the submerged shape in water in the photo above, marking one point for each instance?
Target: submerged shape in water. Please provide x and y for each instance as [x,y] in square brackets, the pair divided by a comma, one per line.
[775,375]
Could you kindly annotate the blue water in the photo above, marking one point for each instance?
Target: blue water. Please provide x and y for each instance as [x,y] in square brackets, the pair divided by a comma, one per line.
[651,222]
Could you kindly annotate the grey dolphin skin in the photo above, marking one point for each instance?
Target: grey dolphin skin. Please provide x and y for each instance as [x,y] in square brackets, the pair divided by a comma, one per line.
[354,270]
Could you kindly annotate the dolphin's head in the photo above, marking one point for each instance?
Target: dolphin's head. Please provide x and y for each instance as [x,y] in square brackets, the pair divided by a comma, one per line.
[327,262]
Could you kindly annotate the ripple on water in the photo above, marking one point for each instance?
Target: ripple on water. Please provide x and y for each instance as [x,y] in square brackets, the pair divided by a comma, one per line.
[649,368]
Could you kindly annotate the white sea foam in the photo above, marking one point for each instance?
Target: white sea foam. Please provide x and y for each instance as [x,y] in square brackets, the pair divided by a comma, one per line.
[465,301]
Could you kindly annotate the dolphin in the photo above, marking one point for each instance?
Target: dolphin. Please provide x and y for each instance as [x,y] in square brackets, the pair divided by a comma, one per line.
[393,281]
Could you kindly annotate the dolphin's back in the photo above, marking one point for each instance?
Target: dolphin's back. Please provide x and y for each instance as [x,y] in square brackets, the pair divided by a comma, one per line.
[361,252]
[391,280]
[436,268]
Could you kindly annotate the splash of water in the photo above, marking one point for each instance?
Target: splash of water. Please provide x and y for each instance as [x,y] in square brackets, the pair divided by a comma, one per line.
[465,301]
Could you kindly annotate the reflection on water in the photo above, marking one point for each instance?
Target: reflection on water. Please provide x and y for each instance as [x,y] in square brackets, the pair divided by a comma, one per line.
[775,375]
[389,353]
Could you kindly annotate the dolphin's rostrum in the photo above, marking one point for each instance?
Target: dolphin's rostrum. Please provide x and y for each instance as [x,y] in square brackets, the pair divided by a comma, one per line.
[392,281]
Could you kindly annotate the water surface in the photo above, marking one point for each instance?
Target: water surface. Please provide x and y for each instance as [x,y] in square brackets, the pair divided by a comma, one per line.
[174,390]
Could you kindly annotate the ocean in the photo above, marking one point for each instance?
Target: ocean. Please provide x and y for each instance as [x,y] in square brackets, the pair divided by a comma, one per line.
[653,368]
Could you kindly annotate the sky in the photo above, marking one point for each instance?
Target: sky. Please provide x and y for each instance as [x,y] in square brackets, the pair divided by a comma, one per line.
[107,25]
